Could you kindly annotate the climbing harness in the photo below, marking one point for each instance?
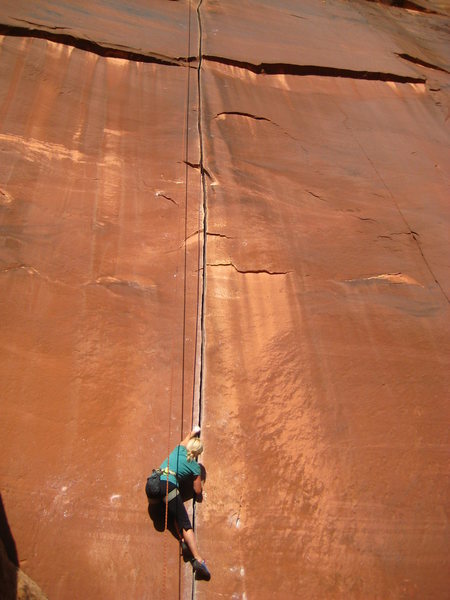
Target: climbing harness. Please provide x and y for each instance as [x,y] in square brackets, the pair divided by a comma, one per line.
[171,495]
[153,487]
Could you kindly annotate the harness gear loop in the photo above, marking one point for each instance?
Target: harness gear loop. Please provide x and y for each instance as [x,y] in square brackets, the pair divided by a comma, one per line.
[167,471]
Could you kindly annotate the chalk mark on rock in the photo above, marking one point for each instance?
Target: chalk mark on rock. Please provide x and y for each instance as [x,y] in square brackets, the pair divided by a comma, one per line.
[395,278]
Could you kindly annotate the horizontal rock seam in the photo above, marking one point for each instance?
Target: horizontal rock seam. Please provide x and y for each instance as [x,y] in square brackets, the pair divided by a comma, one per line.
[259,69]
[422,63]
[406,4]
[314,70]
[94,47]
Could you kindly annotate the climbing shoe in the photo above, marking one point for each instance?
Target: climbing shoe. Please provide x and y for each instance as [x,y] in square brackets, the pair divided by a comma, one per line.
[201,570]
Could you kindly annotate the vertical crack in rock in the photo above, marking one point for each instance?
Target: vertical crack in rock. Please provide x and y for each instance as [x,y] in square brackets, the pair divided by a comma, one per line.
[203,174]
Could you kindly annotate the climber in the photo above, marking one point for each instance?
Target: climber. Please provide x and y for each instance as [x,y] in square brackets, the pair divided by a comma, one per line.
[181,467]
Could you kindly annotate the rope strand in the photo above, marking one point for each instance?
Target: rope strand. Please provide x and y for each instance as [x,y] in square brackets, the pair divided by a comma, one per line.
[185,155]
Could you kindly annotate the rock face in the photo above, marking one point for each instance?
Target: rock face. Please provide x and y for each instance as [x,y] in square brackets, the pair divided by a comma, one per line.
[311,140]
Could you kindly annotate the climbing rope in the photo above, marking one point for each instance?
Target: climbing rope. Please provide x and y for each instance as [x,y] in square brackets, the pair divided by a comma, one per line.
[185,154]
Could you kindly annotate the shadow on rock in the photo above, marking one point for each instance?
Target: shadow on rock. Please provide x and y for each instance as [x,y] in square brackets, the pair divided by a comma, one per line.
[9,561]
[14,584]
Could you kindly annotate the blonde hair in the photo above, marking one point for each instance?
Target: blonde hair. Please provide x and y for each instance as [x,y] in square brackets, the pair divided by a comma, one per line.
[194,447]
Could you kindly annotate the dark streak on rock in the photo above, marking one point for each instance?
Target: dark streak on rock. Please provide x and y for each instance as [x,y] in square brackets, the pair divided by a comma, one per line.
[418,61]
[407,4]
[314,70]
[198,166]
[248,271]
[191,164]
[242,114]
[221,235]
[93,47]
[411,233]
[263,68]
[315,195]
[40,24]
[250,116]
[192,235]
[167,198]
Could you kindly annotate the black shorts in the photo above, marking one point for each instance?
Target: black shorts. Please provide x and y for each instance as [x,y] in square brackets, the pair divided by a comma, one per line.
[176,506]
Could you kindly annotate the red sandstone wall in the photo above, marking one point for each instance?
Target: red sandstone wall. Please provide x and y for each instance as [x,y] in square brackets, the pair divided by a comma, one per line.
[324,134]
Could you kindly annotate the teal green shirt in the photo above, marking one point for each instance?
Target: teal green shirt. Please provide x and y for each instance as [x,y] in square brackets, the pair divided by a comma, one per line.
[179,463]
